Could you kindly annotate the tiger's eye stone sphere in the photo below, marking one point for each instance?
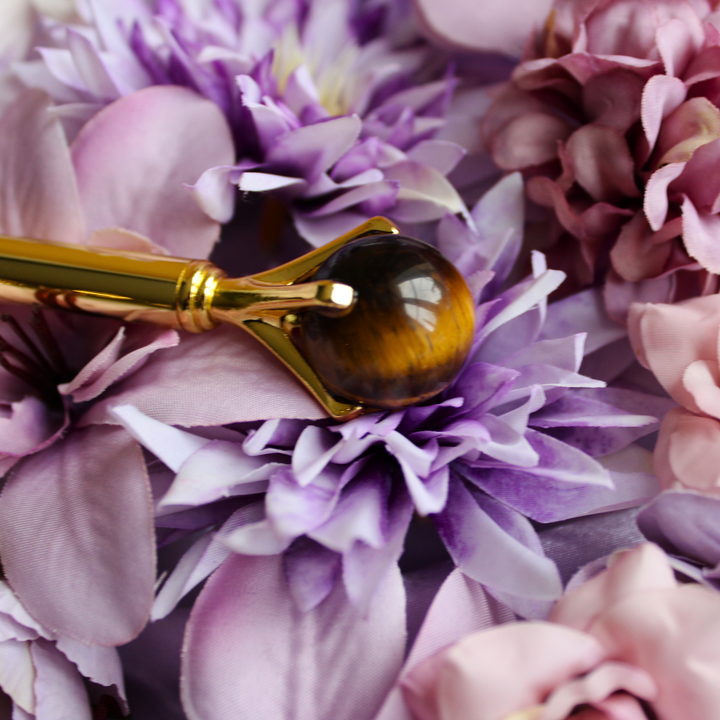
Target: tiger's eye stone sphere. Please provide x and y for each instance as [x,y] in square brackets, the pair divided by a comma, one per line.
[409,332]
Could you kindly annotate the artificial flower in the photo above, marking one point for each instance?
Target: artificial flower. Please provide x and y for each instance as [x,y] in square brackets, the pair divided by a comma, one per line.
[614,116]
[630,643]
[80,555]
[338,499]
[326,116]
[43,674]
[679,344]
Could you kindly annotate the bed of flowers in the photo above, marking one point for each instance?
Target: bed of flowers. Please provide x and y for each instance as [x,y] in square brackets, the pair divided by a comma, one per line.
[184,533]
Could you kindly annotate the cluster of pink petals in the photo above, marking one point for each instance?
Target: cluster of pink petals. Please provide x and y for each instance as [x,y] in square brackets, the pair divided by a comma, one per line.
[679,344]
[615,120]
[629,639]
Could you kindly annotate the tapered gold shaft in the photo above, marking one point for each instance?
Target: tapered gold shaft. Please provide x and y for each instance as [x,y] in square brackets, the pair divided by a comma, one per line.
[193,295]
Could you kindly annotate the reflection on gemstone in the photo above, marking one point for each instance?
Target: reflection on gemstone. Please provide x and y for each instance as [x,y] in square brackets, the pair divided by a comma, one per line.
[409,332]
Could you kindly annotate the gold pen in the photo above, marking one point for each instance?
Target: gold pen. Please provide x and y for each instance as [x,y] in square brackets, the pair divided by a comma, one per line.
[371,320]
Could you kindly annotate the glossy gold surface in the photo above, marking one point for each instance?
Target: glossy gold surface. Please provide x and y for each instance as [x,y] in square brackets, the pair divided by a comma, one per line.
[192,295]
[354,346]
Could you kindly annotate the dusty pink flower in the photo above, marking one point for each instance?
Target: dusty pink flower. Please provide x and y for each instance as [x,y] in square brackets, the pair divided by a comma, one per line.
[80,554]
[679,343]
[615,119]
[629,639]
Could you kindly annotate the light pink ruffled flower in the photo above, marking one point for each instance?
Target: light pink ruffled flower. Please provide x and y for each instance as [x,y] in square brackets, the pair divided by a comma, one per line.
[679,343]
[615,116]
[629,639]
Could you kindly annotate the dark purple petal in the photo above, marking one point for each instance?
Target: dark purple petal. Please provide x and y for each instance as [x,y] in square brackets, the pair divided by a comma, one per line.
[311,571]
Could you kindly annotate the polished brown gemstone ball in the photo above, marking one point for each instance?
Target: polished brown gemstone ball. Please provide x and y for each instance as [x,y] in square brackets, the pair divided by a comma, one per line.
[409,331]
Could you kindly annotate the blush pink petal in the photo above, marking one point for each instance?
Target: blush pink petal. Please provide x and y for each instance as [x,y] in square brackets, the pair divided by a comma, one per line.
[661,454]
[693,452]
[174,385]
[701,234]
[613,98]
[643,570]
[673,635]
[530,139]
[597,686]
[661,96]
[497,672]
[38,193]
[702,380]
[85,504]
[250,653]
[655,200]
[699,181]
[668,338]
[635,256]
[135,157]
[693,124]
[603,164]
[675,43]
[490,27]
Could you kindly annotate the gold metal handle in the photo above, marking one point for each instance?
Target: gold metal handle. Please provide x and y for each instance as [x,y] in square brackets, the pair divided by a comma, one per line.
[193,295]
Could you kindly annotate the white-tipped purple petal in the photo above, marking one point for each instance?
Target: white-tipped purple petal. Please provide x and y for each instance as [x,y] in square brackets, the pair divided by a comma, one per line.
[216,470]
[582,312]
[134,158]
[250,653]
[365,567]
[425,194]
[215,193]
[496,546]
[202,559]
[172,445]
[441,155]
[59,690]
[64,534]
[39,196]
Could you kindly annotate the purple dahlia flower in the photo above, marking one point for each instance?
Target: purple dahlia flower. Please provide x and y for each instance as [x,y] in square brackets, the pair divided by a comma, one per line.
[519,436]
[329,122]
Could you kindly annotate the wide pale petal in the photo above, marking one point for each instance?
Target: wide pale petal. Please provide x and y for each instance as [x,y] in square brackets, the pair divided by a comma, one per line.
[250,653]
[76,536]
[134,158]
[39,195]
[174,386]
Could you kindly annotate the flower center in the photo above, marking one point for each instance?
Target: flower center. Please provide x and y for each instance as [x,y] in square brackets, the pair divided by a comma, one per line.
[34,357]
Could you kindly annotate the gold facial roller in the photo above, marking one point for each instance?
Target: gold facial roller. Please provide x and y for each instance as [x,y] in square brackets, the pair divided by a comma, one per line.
[372,320]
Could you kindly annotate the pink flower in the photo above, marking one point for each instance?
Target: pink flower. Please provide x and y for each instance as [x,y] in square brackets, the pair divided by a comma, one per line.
[615,118]
[628,639]
[679,343]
